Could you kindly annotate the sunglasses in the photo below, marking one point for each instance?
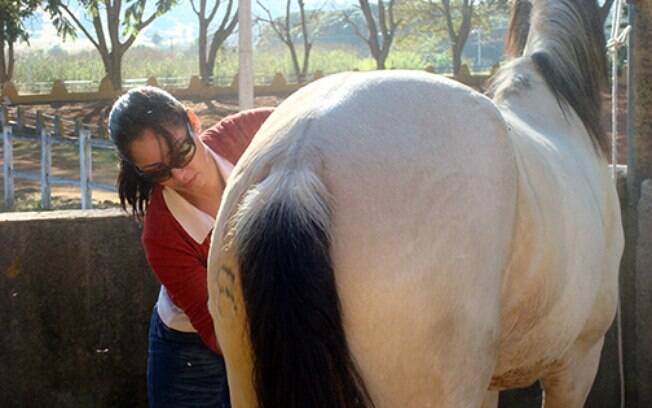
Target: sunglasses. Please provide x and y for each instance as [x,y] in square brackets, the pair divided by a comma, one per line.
[180,156]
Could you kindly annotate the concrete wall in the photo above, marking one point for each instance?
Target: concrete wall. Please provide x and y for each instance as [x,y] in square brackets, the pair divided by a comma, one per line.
[75,298]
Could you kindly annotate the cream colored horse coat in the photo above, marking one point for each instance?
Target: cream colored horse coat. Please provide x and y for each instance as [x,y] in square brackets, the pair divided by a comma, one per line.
[475,244]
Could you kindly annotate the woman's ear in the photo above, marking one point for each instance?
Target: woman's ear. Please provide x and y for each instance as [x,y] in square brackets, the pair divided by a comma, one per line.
[194,122]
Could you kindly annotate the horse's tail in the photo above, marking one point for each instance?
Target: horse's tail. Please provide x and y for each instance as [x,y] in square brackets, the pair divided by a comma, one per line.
[569,52]
[300,354]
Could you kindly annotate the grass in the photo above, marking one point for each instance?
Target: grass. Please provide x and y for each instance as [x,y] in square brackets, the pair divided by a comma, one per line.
[142,62]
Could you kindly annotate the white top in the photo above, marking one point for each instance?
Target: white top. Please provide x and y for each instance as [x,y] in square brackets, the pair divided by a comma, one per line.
[198,225]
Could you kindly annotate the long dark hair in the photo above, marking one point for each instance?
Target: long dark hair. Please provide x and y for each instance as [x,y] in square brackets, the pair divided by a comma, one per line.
[139,109]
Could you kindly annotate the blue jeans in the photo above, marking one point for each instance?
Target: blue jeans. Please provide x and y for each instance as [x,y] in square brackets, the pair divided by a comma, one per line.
[182,371]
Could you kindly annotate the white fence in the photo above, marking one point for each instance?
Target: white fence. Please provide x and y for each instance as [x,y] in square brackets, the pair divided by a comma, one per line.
[84,183]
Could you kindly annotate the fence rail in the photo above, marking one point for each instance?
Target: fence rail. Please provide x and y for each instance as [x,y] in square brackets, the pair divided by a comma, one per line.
[40,133]
[196,89]
[53,129]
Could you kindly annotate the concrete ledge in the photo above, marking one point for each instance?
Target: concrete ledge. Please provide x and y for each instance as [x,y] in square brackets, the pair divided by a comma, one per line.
[75,299]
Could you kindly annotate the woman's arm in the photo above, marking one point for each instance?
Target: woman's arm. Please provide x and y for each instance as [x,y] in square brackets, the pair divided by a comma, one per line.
[182,270]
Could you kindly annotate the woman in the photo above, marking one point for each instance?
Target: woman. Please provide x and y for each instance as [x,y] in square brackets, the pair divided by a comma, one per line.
[173,180]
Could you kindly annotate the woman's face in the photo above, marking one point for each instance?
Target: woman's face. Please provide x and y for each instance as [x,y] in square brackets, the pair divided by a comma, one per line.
[150,153]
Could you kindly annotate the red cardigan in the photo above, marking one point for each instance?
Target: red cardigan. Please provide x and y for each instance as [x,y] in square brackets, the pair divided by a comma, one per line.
[176,259]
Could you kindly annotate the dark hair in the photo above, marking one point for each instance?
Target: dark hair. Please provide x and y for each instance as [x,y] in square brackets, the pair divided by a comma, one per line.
[519,27]
[141,108]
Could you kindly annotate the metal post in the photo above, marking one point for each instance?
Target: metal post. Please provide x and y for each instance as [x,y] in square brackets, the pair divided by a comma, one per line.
[46,169]
[245,51]
[8,168]
[85,169]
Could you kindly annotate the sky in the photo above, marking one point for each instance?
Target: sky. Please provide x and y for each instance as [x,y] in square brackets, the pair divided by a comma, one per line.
[176,28]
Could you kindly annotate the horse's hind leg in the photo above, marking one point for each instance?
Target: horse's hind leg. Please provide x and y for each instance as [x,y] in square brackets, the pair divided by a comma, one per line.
[568,385]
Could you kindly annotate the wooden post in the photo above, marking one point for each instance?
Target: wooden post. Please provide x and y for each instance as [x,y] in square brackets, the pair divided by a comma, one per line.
[4,116]
[46,169]
[102,133]
[636,279]
[20,118]
[85,169]
[39,122]
[8,167]
[58,128]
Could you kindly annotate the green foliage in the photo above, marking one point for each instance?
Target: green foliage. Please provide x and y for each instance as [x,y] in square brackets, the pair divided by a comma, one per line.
[131,14]
[427,21]
[143,62]
[13,14]
[65,27]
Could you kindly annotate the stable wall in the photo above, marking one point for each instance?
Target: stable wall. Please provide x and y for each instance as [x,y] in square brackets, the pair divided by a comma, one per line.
[75,298]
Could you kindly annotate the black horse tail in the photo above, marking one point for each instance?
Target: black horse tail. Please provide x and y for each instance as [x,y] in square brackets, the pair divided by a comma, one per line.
[300,353]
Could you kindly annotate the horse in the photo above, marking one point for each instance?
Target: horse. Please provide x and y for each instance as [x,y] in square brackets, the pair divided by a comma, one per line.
[397,239]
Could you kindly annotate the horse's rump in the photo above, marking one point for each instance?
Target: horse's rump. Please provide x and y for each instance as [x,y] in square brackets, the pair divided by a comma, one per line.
[422,179]
[464,241]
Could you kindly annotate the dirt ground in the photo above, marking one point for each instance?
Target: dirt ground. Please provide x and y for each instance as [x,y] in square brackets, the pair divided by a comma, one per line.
[65,159]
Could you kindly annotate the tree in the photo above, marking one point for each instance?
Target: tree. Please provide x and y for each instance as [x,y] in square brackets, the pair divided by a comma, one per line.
[383,25]
[459,16]
[205,14]
[13,13]
[109,18]
[289,30]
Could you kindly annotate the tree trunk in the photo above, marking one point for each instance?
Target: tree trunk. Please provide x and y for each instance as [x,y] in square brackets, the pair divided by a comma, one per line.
[114,69]
[380,62]
[456,52]
[216,43]
[3,62]
[10,64]
[374,48]
[295,59]
[204,70]
[306,61]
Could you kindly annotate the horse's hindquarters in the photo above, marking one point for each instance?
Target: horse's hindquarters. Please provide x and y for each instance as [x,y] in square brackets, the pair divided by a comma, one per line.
[424,211]
[423,186]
